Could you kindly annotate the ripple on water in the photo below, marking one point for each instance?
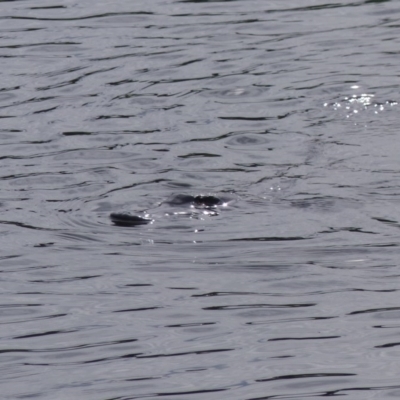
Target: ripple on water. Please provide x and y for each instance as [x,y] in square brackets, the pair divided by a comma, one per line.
[94,156]
[249,141]
[235,95]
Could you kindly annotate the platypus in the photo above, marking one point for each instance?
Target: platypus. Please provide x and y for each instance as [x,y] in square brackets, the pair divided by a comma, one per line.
[207,204]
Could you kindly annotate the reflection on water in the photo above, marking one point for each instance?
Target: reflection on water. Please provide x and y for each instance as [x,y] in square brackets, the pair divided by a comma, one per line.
[360,103]
[286,112]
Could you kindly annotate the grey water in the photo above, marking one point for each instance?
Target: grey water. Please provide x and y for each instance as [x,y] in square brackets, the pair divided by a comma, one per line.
[287,108]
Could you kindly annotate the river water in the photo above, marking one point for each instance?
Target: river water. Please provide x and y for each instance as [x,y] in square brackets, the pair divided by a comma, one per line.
[289,109]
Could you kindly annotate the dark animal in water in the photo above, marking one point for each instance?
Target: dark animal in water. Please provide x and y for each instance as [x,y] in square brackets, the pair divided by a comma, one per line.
[207,203]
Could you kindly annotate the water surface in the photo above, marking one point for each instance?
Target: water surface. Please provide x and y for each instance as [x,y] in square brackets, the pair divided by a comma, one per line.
[288,108]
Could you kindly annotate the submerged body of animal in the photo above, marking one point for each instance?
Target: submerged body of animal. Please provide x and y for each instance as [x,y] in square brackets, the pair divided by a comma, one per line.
[184,203]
